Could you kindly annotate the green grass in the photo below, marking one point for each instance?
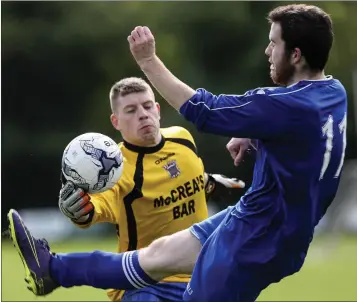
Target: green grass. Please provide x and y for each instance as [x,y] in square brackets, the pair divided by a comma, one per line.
[329,274]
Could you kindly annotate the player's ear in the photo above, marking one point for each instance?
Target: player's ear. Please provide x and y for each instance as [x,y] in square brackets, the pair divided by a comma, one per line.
[296,55]
[115,121]
[158,108]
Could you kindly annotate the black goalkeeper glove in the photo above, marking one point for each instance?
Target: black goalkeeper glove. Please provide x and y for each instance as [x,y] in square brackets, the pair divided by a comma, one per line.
[218,186]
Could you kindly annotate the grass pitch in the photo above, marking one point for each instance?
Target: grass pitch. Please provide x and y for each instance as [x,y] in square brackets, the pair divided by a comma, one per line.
[329,274]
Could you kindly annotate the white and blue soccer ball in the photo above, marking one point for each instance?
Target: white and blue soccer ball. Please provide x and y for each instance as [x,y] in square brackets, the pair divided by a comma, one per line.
[93,161]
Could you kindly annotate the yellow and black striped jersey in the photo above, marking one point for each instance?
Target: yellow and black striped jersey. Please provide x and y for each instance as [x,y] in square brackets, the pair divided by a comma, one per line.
[160,192]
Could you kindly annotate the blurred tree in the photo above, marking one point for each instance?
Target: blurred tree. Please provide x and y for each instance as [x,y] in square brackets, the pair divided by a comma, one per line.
[59,60]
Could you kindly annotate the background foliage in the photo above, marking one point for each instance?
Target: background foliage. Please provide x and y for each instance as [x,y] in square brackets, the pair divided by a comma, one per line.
[59,60]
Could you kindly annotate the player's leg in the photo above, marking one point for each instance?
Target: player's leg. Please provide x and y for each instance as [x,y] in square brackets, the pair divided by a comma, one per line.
[99,269]
[205,228]
[234,263]
[164,257]
[135,269]
[170,255]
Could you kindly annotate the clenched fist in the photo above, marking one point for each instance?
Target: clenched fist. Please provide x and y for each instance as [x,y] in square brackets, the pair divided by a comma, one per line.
[142,44]
[237,148]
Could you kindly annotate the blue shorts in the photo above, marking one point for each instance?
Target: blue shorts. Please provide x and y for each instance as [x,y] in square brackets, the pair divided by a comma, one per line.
[241,256]
[160,292]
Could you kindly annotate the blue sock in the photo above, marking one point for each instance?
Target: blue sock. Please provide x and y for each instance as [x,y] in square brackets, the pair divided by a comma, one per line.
[100,270]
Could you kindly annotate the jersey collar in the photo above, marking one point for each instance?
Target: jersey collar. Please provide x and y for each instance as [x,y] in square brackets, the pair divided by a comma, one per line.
[327,79]
[146,150]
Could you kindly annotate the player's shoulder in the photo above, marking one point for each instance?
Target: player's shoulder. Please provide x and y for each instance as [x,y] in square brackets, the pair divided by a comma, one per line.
[277,96]
[295,95]
[300,88]
[278,92]
[177,132]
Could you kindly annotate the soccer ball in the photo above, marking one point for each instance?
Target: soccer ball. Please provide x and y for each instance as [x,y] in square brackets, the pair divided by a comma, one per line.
[93,161]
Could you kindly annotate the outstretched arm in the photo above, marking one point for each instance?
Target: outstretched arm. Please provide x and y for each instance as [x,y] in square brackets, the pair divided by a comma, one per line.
[245,116]
[142,46]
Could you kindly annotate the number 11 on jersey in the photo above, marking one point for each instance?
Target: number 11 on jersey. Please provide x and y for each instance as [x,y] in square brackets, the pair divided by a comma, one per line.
[327,130]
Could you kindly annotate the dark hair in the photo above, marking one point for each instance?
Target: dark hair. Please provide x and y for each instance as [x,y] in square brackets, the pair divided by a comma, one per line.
[308,28]
[126,86]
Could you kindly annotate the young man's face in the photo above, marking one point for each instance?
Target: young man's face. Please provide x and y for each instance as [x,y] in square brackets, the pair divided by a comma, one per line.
[281,69]
[137,117]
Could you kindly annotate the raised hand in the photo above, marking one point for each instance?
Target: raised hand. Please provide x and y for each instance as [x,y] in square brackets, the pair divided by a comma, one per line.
[142,44]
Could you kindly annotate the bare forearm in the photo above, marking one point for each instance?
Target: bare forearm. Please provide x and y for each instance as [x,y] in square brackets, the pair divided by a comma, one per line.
[174,91]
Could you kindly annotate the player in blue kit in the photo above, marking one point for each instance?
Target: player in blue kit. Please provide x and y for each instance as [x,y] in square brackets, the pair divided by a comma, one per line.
[299,132]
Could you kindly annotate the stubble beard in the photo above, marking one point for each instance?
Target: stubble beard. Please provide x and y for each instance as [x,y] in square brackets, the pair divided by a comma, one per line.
[283,73]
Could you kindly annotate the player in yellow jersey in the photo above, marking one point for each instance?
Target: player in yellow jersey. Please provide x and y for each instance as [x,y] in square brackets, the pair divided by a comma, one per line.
[163,188]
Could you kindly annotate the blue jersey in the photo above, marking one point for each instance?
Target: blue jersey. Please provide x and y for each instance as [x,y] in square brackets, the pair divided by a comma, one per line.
[300,135]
